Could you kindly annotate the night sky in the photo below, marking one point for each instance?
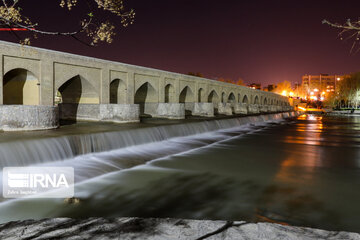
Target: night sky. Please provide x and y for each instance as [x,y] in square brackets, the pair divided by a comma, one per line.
[259,41]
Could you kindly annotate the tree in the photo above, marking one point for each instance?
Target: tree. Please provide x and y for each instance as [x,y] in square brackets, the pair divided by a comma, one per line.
[240,81]
[95,30]
[348,90]
[348,30]
[196,74]
[283,88]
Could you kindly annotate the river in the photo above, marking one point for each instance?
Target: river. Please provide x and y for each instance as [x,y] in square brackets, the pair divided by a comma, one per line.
[302,171]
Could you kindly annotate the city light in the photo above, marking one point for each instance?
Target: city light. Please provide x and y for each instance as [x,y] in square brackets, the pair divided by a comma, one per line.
[338,79]
[316,90]
[284,93]
[291,94]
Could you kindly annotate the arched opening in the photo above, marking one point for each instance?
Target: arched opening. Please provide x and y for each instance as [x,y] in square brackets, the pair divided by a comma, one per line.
[20,86]
[245,100]
[169,93]
[201,95]
[77,90]
[223,96]
[256,100]
[213,97]
[146,93]
[265,101]
[118,91]
[231,98]
[186,95]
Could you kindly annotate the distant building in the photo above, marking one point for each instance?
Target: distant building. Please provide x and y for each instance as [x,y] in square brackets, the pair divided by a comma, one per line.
[255,86]
[313,84]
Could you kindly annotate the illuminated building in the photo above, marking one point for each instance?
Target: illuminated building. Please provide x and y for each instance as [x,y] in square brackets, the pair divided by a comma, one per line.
[316,84]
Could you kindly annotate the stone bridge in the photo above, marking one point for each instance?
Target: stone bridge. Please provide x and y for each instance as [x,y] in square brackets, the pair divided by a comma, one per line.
[41,86]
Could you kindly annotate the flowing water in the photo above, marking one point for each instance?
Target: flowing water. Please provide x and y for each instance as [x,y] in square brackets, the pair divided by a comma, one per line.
[301,171]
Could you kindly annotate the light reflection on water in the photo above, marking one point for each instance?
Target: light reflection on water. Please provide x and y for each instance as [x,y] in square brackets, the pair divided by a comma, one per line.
[304,172]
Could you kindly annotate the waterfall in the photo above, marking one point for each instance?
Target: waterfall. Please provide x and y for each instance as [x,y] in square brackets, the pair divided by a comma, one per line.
[29,152]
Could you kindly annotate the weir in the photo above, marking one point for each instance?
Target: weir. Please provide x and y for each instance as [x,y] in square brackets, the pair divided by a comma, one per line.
[50,86]
[28,152]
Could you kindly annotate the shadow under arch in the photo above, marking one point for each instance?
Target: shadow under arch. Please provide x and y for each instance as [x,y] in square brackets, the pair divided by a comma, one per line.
[77,90]
[21,87]
[245,99]
[146,93]
[186,95]
[256,100]
[231,98]
[223,96]
[213,97]
[117,91]
[169,93]
[201,93]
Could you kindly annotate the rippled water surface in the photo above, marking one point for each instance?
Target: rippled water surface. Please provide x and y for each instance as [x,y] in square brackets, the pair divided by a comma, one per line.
[300,171]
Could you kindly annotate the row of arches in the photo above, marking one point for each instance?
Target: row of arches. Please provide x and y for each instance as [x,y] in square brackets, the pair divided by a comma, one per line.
[22,87]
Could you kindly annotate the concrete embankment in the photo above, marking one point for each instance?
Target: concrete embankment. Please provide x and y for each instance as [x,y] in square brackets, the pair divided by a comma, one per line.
[160,229]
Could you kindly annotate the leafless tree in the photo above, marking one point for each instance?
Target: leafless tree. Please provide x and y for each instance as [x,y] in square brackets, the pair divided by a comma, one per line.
[350,30]
[94,29]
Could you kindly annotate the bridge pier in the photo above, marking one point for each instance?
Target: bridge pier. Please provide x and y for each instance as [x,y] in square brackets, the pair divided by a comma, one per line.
[165,110]
[25,117]
[263,108]
[203,109]
[253,109]
[225,108]
[240,108]
[120,113]
[273,108]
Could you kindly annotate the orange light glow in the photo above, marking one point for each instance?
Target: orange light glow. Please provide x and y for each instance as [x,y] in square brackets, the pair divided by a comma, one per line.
[316,90]
[284,93]
[302,109]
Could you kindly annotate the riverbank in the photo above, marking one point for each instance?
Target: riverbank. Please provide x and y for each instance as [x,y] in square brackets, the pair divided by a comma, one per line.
[160,229]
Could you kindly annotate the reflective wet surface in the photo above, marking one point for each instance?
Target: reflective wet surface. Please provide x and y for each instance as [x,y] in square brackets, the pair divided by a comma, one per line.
[302,171]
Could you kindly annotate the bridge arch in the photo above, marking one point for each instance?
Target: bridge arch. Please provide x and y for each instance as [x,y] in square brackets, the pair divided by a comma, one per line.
[256,100]
[118,91]
[231,98]
[170,96]
[146,93]
[201,95]
[213,97]
[265,101]
[77,90]
[186,95]
[21,86]
[245,99]
[223,97]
